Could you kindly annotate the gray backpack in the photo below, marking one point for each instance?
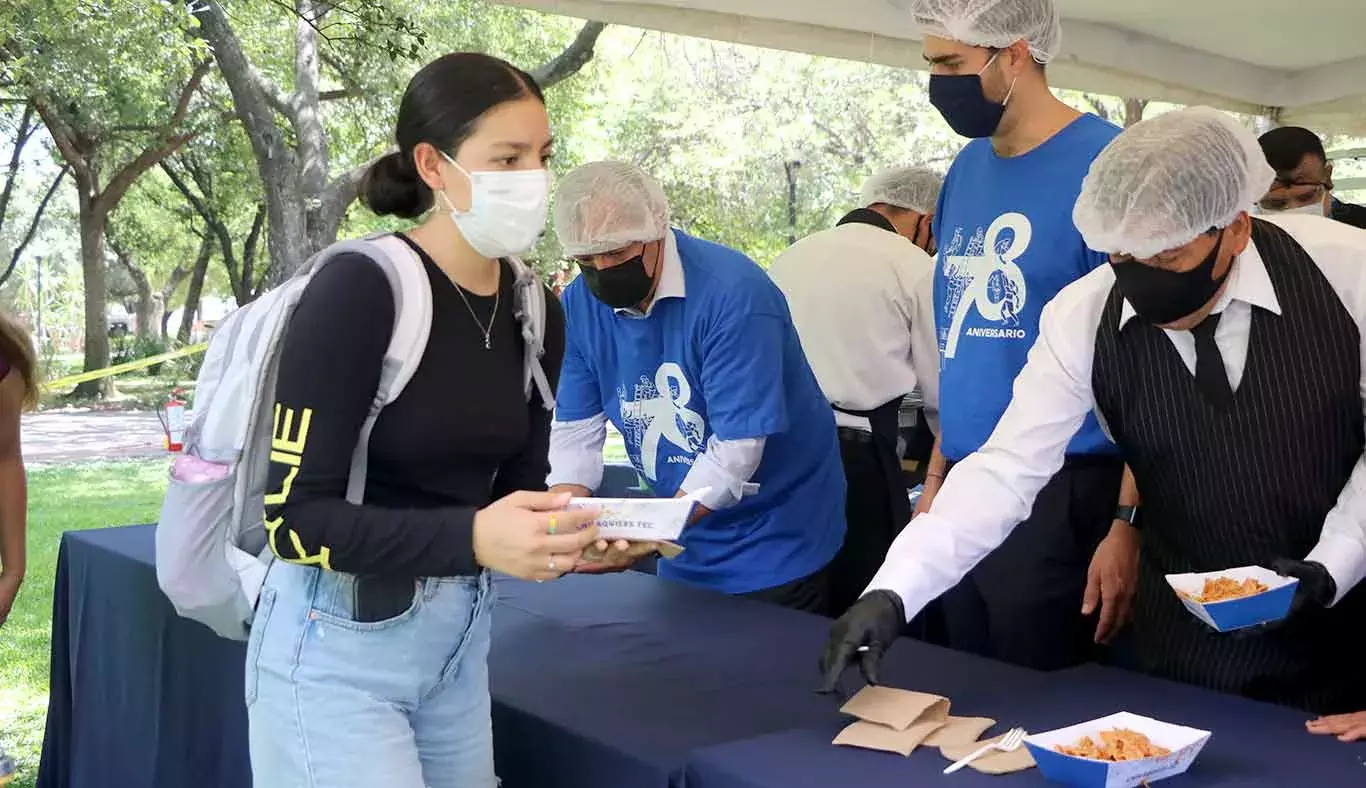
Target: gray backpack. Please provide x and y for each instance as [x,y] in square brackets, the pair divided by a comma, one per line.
[211,542]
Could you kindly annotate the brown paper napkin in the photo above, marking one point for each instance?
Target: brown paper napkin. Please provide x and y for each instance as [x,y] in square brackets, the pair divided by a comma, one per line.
[995,762]
[871,736]
[895,708]
[892,720]
[960,730]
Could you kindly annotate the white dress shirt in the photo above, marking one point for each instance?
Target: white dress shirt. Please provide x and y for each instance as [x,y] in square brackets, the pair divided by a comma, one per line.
[862,300]
[990,492]
[723,468]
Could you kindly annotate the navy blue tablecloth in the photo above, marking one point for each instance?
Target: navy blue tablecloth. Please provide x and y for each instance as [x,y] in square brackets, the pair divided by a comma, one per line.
[1253,745]
[623,678]
[616,681]
[140,698]
[599,681]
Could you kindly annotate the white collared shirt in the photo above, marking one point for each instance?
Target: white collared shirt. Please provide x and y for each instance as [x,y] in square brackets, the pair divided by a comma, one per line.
[671,281]
[862,300]
[723,468]
[990,492]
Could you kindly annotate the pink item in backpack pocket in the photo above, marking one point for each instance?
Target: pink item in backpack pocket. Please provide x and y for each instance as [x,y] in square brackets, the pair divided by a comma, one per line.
[194,470]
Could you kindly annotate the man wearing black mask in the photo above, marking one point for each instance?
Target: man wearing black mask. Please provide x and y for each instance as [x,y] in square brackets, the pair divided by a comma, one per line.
[688,349]
[1304,178]
[1224,355]
[1006,246]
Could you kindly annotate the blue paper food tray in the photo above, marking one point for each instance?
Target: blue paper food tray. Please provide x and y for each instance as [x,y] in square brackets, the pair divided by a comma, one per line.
[1185,744]
[1271,605]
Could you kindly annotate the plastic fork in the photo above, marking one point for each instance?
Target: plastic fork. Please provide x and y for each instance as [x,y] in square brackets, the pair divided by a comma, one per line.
[1007,743]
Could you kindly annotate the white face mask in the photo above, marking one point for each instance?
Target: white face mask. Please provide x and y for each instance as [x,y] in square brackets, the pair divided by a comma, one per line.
[507,212]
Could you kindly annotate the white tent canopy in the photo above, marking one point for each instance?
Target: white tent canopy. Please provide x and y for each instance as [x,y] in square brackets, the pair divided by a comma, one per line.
[1302,62]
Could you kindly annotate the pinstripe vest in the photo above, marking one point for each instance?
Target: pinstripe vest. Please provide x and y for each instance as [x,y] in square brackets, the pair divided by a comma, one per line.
[1244,484]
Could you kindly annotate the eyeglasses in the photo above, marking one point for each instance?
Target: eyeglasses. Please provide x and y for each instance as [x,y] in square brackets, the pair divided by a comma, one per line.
[1284,196]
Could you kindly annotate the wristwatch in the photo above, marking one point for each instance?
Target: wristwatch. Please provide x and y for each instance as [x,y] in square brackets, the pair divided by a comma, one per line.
[1128,514]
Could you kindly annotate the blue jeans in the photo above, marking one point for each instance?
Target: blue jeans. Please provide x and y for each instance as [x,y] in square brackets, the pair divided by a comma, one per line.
[335,703]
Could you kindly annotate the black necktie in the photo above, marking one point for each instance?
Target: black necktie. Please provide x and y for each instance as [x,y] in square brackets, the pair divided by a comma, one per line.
[1209,365]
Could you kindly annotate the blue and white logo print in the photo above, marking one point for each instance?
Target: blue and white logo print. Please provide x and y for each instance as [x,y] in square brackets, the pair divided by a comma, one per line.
[985,276]
[658,410]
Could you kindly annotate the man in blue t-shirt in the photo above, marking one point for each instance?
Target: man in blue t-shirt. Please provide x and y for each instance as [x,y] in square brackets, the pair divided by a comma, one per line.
[1006,246]
[688,349]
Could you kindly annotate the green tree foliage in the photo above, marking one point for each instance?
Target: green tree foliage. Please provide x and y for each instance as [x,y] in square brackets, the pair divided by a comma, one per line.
[317,107]
[719,125]
[116,83]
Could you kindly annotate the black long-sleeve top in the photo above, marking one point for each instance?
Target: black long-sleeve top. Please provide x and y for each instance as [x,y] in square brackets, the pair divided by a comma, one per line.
[461,435]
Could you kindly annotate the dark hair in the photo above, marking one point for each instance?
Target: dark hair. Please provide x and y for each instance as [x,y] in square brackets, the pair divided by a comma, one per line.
[16,347]
[442,104]
[1287,146]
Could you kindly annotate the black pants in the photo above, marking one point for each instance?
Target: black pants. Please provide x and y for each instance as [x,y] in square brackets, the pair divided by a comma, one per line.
[871,523]
[810,594]
[1022,603]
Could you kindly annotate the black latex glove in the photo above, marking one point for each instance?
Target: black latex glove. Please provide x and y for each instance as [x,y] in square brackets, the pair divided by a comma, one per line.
[873,621]
[1315,590]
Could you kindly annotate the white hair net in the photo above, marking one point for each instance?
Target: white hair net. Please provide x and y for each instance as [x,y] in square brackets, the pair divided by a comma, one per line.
[1166,180]
[606,205]
[993,23]
[912,188]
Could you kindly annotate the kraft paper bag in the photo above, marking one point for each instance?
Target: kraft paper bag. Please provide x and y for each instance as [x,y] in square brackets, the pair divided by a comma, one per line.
[896,708]
[892,720]
[871,736]
[960,730]
[995,762]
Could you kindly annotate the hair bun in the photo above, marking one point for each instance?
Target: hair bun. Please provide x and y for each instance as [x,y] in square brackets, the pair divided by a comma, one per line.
[392,188]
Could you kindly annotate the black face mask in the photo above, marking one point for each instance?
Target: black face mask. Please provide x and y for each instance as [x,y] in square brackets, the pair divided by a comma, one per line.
[1162,297]
[622,286]
[959,98]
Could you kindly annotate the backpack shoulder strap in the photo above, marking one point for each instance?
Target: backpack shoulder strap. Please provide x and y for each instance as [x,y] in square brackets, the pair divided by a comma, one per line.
[412,326]
[529,295]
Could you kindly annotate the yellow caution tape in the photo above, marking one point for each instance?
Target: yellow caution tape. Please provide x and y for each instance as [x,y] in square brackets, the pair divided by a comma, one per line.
[119,369]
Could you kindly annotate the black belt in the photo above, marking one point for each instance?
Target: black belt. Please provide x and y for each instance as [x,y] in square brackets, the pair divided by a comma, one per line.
[852,435]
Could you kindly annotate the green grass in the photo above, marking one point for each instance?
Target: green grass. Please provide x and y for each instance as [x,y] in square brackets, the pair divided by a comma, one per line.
[132,391]
[61,498]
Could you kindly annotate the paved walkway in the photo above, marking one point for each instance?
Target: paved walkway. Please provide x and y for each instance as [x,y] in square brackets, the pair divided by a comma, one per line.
[83,435]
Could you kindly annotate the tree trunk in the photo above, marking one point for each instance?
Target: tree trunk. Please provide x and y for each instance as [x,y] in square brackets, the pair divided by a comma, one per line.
[93,219]
[145,313]
[255,285]
[196,289]
[572,60]
[167,294]
[288,137]
[254,100]
[1133,110]
[150,305]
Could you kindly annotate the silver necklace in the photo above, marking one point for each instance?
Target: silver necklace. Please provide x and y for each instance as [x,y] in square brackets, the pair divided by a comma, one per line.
[497,297]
